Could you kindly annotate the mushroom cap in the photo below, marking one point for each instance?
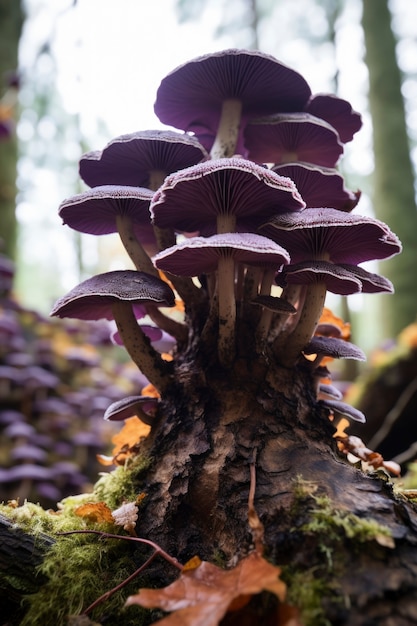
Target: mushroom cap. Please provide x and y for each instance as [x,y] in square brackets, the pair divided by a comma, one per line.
[200,255]
[331,391]
[337,279]
[129,159]
[25,471]
[344,237]
[344,409]
[287,137]
[337,112]
[93,298]
[19,429]
[128,407]
[335,348]
[28,452]
[229,186]
[193,93]
[274,303]
[95,211]
[371,283]
[319,186]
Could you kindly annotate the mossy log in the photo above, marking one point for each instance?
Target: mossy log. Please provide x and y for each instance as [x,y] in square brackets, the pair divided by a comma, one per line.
[346,540]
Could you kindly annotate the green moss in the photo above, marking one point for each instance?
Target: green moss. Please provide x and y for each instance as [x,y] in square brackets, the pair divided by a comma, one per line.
[323,526]
[332,523]
[306,590]
[82,567]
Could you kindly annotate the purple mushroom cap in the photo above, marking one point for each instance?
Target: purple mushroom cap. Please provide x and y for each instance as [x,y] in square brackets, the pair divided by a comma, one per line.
[337,112]
[319,186]
[222,187]
[93,298]
[94,211]
[192,94]
[129,159]
[337,279]
[335,348]
[287,137]
[131,406]
[344,409]
[200,255]
[342,237]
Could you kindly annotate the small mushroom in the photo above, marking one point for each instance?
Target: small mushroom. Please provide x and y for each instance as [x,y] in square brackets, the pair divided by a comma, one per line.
[333,347]
[143,407]
[336,406]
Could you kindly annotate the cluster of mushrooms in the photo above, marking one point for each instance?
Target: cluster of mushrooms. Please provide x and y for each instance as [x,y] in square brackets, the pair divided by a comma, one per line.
[244,212]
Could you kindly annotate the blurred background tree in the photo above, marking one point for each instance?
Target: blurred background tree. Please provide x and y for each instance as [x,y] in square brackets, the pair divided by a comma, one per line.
[393,179]
[11,20]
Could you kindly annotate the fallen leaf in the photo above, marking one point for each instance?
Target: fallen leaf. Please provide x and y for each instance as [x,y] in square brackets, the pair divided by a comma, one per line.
[203,595]
[96,512]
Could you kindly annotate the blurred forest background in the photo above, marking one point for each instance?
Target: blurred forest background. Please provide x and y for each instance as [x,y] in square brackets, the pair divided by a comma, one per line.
[76,73]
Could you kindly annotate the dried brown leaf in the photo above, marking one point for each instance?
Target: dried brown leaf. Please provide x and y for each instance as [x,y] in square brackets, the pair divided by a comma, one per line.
[95,512]
[203,595]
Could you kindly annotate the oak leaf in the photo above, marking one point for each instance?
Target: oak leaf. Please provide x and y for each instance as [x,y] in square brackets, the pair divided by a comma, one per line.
[204,594]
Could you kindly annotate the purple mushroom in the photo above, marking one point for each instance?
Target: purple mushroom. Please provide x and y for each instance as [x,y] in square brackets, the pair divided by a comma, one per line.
[111,296]
[219,92]
[110,209]
[143,407]
[141,159]
[326,235]
[288,137]
[204,255]
[227,192]
[319,186]
[337,112]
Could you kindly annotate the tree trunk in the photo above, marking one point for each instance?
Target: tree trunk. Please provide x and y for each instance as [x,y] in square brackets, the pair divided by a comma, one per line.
[393,179]
[10,27]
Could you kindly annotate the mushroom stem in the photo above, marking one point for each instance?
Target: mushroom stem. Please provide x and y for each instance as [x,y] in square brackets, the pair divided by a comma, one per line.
[227,310]
[156,370]
[252,280]
[156,178]
[140,259]
[294,294]
[267,315]
[309,318]
[227,134]
[226,223]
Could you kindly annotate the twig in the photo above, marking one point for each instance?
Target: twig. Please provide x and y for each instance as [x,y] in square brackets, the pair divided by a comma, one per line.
[157,550]
[253,519]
